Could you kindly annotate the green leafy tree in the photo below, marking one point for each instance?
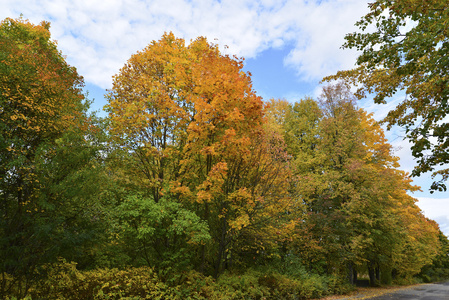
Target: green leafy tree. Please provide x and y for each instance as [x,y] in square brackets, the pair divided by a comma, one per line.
[359,215]
[48,152]
[404,47]
[438,270]
[160,231]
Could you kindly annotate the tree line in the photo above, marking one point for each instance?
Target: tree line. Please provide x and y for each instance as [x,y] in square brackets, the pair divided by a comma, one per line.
[191,170]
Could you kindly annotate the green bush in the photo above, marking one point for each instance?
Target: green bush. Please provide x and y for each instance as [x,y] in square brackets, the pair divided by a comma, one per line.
[240,286]
[281,286]
[338,286]
[192,285]
[276,286]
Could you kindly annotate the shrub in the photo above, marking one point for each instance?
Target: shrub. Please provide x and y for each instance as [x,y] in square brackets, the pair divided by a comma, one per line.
[240,286]
[281,286]
[64,281]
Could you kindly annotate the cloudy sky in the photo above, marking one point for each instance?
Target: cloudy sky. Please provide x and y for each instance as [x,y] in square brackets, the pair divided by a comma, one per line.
[289,45]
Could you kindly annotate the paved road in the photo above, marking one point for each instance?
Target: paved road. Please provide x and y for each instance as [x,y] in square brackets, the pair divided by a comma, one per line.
[435,291]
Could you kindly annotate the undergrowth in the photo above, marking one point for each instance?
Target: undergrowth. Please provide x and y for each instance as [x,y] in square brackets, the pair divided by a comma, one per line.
[63,281]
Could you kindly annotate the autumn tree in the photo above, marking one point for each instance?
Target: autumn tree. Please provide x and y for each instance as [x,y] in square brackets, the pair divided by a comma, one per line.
[149,110]
[192,125]
[419,242]
[358,210]
[339,147]
[404,49]
[276,111]
[47,150]
[242,178]
[438,269]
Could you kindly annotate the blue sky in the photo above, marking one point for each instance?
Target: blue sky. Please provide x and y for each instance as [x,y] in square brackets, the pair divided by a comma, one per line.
[288,47]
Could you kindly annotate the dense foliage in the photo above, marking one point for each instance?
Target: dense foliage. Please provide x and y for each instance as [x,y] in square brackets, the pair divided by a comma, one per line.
[48,155]
[404,48]
[193,187]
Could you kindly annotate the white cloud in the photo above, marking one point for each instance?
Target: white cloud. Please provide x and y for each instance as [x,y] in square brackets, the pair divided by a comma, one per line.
[323,27]
[436,209]
[98,38]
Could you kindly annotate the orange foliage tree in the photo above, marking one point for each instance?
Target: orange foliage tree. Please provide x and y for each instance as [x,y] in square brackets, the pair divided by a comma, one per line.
[193,126]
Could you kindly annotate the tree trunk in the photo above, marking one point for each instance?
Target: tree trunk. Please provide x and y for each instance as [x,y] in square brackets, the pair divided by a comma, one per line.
[221,250]
[350,270]
[203,247]
[386,275]
[372,274]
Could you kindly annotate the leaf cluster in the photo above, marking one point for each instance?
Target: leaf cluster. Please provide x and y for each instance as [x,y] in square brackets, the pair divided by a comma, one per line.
[404,50]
